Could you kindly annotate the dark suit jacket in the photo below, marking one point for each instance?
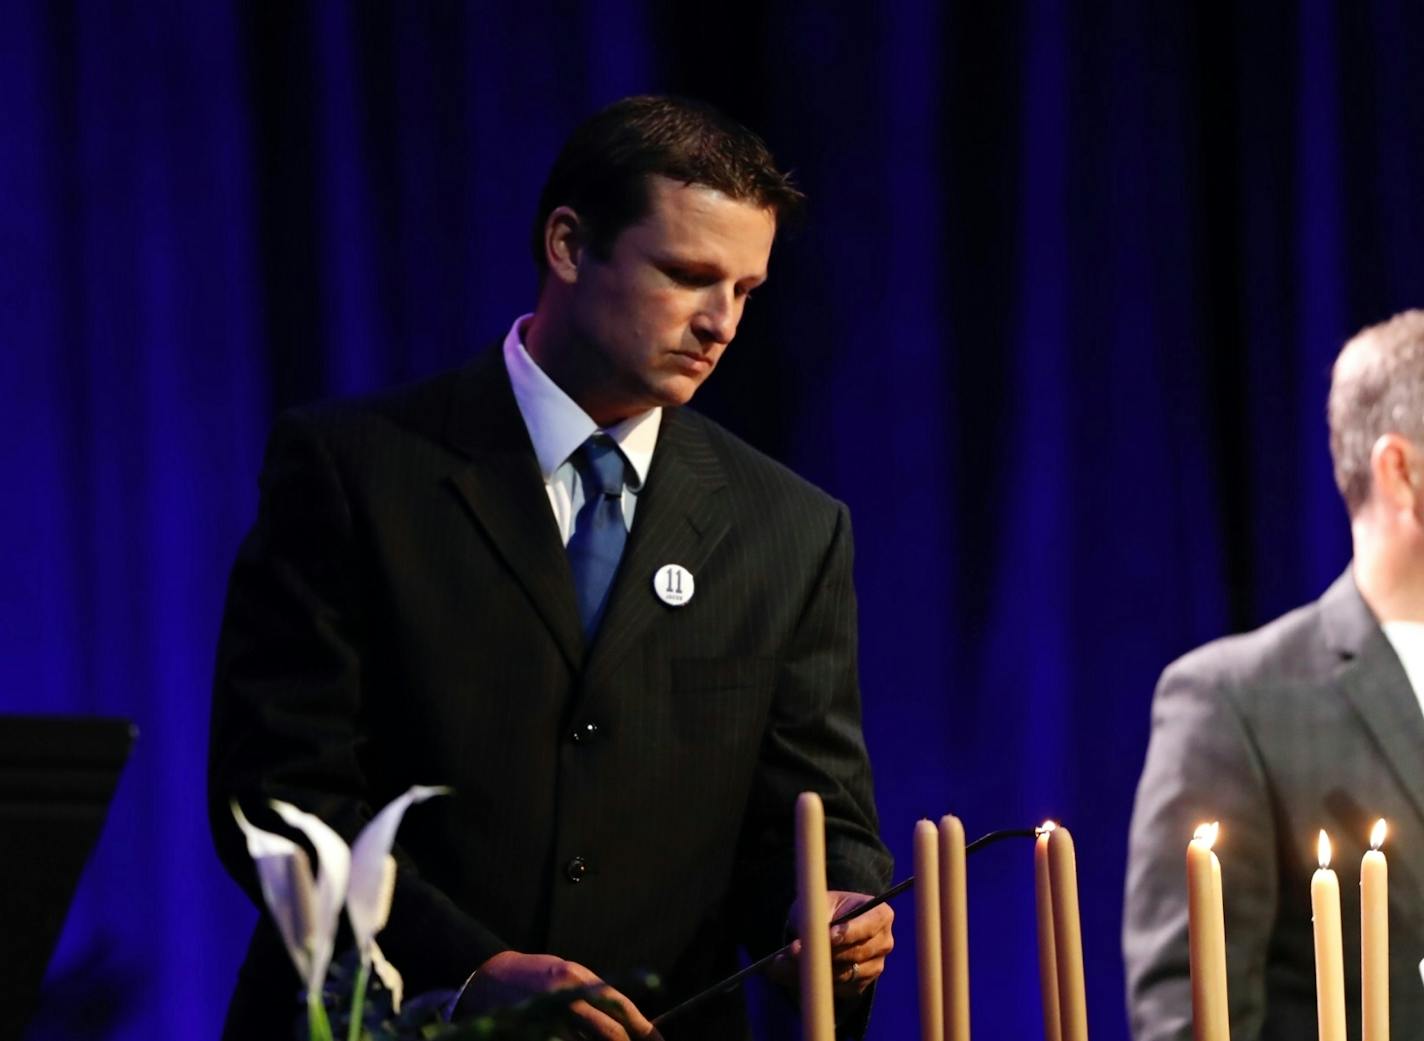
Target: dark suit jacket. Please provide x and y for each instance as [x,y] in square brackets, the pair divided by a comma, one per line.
[403,612]
[1308,723]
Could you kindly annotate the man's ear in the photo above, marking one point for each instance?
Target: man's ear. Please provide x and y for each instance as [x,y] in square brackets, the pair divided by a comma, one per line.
[1392,464]
[564,244]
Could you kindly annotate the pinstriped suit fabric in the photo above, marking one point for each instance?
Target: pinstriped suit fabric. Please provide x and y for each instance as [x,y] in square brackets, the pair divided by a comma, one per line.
[403,612]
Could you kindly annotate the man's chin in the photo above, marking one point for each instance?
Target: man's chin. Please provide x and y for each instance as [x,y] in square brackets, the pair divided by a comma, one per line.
[675,391]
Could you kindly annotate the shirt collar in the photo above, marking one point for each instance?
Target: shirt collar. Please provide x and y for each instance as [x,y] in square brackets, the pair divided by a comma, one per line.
[557,425]
[1405,637]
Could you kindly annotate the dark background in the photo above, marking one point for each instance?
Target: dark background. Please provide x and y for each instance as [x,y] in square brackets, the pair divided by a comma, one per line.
[1059,331]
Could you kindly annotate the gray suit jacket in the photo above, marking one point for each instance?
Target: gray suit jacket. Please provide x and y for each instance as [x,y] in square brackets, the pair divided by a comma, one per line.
[1307,723]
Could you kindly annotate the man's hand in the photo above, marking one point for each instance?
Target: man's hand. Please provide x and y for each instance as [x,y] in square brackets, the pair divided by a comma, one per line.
[510,977]
[858,947]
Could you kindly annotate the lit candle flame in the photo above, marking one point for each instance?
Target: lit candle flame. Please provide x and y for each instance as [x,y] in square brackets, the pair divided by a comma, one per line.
[1377,834]
[1206,833]
[1323,848]
[1045,827]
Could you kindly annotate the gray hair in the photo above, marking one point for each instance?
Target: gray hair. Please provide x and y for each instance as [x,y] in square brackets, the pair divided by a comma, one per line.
[1376,388]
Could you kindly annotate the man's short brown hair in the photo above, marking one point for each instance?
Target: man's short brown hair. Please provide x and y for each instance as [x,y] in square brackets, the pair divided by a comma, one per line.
[1376,388]
[602,172]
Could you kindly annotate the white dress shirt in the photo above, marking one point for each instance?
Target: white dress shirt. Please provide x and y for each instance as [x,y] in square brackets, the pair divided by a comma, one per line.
[557,426]
[1407,639]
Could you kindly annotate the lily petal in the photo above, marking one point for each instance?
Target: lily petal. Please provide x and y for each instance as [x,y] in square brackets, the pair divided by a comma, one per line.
[334,859]
[390,977]
[284,873]
[368,899]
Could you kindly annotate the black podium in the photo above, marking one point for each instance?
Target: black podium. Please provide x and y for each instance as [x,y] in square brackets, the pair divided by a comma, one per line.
[57,776]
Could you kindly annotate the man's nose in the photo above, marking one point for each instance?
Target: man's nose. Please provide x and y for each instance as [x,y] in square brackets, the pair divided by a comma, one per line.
[716,320]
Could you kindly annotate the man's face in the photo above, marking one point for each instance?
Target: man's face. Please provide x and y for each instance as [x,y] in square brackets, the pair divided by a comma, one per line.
[655,316]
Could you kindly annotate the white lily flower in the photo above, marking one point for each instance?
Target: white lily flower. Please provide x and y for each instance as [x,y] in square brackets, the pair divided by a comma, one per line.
[334,871]
[373,883]
[305,910]
[284,872]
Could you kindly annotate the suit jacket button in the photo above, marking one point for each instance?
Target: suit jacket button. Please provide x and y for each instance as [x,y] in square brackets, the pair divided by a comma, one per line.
[584,732]
[576,870]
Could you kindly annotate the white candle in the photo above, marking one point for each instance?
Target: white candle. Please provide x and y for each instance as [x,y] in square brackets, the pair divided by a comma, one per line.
[954,931]
[1374,939]
[1206,933]
[927,932]
[1067,936]
[1329,958]
[1047,960]
[818,1019]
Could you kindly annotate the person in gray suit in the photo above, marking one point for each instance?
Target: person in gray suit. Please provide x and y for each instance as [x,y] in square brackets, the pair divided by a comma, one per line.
[1311,722]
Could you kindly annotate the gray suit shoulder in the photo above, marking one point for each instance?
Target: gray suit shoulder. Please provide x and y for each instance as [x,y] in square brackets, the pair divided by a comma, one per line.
[1286,652]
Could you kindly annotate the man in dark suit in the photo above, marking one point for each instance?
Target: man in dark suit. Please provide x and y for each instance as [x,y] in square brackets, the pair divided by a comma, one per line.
[1312,722]
[626,639]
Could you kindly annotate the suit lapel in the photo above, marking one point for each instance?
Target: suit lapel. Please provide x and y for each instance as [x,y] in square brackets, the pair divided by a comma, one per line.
[1376,685]
[680,519]
[504,490]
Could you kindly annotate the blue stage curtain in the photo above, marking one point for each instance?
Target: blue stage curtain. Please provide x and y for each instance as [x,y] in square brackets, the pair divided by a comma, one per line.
[1059,330]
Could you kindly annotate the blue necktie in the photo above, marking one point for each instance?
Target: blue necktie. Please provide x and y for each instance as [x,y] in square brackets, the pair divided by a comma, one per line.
[599,534]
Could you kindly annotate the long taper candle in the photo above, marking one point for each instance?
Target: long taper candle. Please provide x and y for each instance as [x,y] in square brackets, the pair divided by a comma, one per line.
[928,953]
[1374,939]
[1047,960]
[1206,938]
[818,1016]
[1329,958]
[954,928]
[1067,936]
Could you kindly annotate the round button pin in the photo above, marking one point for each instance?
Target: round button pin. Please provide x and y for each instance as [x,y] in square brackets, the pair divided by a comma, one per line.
[674,585]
